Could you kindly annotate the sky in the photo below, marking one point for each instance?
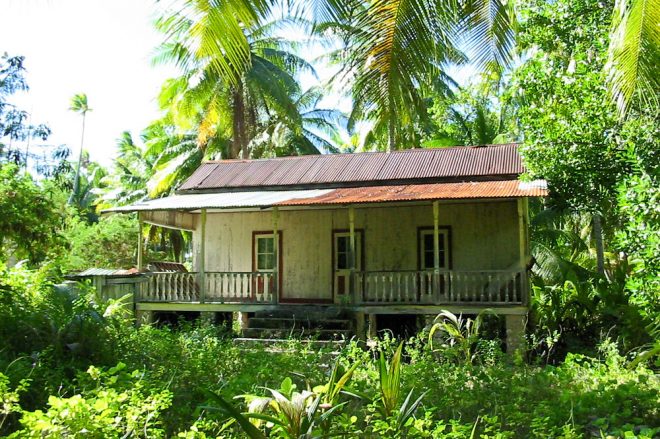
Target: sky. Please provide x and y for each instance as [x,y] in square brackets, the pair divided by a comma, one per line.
[101,48]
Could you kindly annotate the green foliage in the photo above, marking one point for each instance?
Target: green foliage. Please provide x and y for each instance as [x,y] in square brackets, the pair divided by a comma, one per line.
[9,398]
[115,404]
[30,221]
[109,243]
[459,333]
[390,380]
[634,54]
[14,125]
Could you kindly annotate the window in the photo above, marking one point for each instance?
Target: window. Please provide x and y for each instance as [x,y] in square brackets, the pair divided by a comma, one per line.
[426,251]
[265,252]
[343,253]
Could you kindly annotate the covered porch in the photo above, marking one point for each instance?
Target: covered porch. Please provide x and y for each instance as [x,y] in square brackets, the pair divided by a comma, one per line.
[444,287]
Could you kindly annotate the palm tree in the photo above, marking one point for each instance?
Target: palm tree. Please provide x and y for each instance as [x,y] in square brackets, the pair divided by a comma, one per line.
[79,105]
[232,101]
[133,167]
[474,116]
[396,49]
[634,53]
[314,130]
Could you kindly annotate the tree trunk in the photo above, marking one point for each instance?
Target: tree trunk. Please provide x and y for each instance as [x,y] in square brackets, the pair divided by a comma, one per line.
[76,181]
[239,141]
[598,239]
[390,133]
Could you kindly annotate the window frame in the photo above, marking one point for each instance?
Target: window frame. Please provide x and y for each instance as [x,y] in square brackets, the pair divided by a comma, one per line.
[442,231]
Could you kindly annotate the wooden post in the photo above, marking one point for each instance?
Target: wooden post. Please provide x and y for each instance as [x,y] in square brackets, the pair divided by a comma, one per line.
[202,258]
[515,333]
[276,242]
[140,249]
[360,330]
[523,246]
[351,259]
[436,247]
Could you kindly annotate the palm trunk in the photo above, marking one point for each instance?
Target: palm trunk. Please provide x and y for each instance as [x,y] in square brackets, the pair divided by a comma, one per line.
[76,181]
[390,133]
[239,144]
[598,239]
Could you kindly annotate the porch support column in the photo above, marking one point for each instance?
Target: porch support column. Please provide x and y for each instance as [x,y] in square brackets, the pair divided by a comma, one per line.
[515,333]
[360,330]
[140,248]
[523,242]
[351,234]
[202,258]
[276,250]
[373,326]
[436,247]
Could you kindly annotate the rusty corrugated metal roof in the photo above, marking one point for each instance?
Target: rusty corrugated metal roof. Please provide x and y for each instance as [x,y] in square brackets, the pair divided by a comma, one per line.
[435,191]
[355,195]
[372,168]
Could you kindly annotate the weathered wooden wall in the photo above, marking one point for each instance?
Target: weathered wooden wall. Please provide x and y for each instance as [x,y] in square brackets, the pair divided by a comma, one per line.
[484,236]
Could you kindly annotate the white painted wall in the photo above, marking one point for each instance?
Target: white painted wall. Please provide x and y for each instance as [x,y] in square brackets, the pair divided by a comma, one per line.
[484,236]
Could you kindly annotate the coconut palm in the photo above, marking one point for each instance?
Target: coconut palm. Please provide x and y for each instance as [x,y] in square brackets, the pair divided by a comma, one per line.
[231,102]
[397,49]
[132,169]
[79,105]
[634,53]
[314,130]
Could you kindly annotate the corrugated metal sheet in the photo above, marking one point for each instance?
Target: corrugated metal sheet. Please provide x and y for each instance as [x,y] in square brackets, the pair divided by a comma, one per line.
[372,194]
[437,191]
[415,164]
[105,272]
[225,200]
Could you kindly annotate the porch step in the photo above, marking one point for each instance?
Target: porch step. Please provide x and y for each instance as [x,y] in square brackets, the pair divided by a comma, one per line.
[305,312]
[254,342]
[284,333]
[294,323]
[315,322]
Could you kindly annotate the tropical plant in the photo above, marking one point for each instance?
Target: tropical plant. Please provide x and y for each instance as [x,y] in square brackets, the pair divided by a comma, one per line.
[634,54]
[79,105]
[476,115]
[293,414]
[132,169]
[459,332]
[229,103]
[390,380]
[31,221]
[394,51]
[312,131]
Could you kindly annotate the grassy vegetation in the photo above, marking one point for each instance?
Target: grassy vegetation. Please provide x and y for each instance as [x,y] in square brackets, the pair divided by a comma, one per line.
[74,366]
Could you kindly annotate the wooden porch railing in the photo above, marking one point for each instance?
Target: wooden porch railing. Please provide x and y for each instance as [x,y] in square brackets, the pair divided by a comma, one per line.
[487,287]
[427,287]
[222,287]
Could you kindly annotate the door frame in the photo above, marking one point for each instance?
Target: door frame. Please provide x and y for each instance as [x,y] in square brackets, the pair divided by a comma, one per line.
[280,270]
[333,255]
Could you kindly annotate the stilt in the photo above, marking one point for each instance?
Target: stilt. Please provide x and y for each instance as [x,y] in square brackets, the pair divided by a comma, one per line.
[373,329]
[143,317]
[360,332]
[515,333]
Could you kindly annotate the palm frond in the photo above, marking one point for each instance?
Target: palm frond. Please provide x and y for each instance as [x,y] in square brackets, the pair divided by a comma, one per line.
[634,53]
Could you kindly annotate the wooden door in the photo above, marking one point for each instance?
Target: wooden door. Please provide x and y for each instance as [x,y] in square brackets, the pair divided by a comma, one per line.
[341,260]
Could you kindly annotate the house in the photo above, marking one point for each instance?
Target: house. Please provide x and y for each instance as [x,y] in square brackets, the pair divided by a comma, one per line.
[403,233]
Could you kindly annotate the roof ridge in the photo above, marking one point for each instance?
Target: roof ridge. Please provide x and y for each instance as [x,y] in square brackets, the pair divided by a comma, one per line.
[398,151]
